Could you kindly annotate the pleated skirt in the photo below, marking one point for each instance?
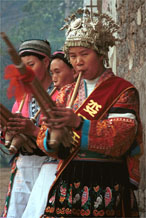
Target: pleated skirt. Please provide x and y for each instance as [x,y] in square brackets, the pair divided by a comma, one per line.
[92,189]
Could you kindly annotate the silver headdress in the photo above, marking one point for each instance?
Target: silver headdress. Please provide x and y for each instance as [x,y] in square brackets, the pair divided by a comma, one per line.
[96,32]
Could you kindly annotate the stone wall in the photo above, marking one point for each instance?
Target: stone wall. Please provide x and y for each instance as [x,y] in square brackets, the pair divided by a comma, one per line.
[128,60]
[131,65]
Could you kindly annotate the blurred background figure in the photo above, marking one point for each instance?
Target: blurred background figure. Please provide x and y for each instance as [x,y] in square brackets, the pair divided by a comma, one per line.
[62,74]
[61,70]
[26,165]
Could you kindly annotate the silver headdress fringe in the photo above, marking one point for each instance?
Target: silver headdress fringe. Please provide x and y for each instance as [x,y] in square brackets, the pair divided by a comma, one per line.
[95,31]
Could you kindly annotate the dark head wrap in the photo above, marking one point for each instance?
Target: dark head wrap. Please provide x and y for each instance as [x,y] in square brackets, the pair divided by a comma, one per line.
[60,55]
[36,46]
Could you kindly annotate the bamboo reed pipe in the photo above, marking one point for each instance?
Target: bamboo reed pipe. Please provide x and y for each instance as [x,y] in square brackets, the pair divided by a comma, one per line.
[22,139]
[13,53]
[75,90]
[53,91]
[4,117]
[3,120]
[63,135]
[37,90]
[12,142]
[38,112]
[21,104]
[43,99]
[44,95]
[5,114]
[40,101]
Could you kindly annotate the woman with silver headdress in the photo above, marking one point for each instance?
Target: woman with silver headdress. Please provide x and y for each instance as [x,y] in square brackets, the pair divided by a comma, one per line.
[99,175]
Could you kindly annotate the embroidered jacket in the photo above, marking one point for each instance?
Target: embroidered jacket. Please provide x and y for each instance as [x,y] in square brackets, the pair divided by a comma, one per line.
[117,134]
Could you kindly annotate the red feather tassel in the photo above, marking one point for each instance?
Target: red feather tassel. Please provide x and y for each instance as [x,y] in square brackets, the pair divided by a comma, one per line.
[19,84]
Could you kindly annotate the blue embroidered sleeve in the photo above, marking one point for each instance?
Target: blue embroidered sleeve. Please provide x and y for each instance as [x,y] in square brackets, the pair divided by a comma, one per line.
[84,134]
[45,142]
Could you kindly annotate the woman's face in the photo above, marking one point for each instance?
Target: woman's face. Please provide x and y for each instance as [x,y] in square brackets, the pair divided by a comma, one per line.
[62,74]
[38,66]
[86,60]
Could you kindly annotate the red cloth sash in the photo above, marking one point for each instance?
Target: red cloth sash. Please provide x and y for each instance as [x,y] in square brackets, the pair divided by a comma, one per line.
[101,99]
[97,104]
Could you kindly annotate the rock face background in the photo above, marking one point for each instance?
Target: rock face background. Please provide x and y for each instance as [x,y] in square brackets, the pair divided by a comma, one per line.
[128,60]
[131,64]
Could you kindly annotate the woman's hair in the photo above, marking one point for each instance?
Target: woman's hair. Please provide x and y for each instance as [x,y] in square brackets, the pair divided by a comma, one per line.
[40,57]
[60,55]
[36,47]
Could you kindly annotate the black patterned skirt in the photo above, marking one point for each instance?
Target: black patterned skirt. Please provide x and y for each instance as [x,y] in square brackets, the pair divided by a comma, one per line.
[92,189]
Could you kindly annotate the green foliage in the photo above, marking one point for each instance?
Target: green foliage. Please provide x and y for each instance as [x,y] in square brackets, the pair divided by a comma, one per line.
[30,19]
[43,20]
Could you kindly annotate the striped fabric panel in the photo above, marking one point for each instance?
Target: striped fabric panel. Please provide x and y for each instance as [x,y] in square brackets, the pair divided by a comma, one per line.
[34,107]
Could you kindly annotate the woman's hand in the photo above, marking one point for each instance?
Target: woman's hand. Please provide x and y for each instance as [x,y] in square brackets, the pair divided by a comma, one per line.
[20,124]
[62,117]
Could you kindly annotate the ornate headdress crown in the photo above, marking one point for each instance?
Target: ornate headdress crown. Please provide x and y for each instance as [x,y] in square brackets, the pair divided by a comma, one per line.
[92,31]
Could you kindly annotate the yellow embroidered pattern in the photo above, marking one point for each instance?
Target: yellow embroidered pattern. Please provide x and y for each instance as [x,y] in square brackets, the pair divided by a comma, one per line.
[92,108]
[75,137]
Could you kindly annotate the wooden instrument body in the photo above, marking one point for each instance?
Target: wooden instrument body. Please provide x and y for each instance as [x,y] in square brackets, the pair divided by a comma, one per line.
[14,141]
[45,102]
